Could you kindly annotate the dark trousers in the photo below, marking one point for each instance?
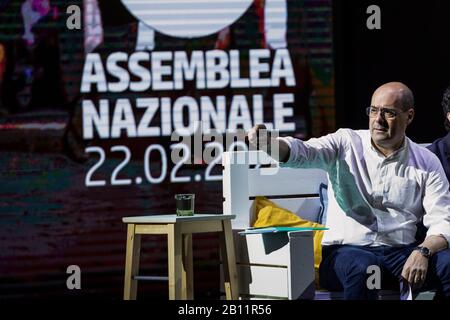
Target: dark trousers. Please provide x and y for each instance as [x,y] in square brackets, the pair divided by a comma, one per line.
[344,268]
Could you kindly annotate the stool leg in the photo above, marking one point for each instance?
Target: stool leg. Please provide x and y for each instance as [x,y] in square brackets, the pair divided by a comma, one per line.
[187,278]
[131,263]
[175,261]
[229,261]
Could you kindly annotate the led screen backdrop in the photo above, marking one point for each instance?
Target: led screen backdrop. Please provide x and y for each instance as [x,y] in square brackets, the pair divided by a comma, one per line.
[87,119]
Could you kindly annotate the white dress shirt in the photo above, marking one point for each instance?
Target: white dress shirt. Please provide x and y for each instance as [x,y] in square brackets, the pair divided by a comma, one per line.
[372,199]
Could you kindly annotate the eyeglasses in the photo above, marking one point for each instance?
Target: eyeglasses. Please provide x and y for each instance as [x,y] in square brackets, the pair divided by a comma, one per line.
[387,113]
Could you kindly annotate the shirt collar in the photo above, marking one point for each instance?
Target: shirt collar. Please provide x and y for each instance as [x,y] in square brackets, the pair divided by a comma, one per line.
[397,152]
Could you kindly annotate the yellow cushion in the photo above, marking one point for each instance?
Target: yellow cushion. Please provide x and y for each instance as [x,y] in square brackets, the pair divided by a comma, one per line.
[268,214]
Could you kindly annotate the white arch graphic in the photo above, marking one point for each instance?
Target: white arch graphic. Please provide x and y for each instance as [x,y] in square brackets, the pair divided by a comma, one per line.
[198,18]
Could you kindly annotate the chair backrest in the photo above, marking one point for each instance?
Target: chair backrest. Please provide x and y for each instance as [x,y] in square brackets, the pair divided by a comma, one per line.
[248,174]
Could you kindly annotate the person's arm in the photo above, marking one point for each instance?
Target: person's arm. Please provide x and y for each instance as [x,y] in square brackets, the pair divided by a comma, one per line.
[435,243]
[293,152]
[436,203]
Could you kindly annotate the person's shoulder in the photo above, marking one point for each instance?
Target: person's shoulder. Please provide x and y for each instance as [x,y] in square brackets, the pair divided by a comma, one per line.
[440,144]
[342,134]
[419,148]
[345,137]
[435,145]
[351,134]
[424,155]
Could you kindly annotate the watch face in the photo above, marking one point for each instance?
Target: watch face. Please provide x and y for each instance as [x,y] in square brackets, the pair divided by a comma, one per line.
[424,251]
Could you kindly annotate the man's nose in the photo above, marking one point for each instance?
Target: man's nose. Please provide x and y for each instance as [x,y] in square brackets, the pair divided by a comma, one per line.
[380,117]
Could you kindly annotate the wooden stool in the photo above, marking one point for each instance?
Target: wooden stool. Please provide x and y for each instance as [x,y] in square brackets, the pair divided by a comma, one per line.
[179,232]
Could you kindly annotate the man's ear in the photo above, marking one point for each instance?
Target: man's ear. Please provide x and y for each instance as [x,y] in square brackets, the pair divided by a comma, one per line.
[448,116]
[411,114]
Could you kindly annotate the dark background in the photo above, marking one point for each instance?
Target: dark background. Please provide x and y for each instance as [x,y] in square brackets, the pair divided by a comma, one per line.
[412,47]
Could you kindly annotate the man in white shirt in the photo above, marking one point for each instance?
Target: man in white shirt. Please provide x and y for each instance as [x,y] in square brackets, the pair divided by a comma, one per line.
[382,184]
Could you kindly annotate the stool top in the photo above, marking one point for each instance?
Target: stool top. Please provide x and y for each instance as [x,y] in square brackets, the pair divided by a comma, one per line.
[172,218]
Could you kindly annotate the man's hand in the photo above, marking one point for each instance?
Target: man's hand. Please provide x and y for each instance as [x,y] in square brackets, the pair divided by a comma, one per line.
[415,270]
[260,138]
[416,267]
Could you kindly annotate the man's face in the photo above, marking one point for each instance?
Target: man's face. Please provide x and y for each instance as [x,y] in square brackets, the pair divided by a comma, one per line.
[387,131]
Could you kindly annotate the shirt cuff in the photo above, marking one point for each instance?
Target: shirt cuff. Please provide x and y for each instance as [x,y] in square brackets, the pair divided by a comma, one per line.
[288,141]
[440,231]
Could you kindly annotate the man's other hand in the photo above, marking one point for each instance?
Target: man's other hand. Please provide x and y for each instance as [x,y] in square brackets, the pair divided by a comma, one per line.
[415,270]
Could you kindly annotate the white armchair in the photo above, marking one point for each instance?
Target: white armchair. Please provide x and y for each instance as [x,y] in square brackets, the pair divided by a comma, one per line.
[278,265]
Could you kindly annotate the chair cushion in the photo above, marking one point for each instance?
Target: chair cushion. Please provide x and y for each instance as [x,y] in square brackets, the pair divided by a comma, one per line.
[269,214]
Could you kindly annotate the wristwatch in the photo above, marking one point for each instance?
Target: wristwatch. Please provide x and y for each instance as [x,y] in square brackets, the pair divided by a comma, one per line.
[424,251]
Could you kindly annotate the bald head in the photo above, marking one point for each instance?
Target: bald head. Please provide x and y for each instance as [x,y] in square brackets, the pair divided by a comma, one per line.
[397,93]
[391,112]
